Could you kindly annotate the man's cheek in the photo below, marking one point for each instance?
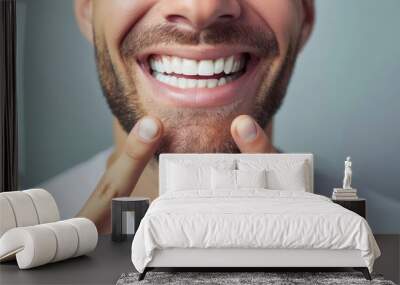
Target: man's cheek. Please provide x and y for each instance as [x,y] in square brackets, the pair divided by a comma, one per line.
[117,17]
[283,18]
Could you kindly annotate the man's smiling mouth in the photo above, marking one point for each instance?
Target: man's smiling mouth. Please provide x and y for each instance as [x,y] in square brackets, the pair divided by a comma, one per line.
[197,77]
[187,73]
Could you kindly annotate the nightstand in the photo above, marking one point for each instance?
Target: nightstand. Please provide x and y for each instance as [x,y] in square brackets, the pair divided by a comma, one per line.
[358,206]
[126,214]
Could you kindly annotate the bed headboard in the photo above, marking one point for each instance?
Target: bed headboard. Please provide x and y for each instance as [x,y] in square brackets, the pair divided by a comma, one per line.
[209,157]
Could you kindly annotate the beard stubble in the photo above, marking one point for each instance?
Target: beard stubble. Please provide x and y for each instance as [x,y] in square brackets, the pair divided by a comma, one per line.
[192,130]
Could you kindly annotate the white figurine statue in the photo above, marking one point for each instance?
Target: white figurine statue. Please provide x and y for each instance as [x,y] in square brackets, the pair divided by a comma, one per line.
[347,174]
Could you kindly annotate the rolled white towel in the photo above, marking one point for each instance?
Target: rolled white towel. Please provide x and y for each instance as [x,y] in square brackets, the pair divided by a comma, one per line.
[40,244]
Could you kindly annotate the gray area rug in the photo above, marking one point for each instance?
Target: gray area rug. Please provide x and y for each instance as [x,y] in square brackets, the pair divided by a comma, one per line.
[231,278]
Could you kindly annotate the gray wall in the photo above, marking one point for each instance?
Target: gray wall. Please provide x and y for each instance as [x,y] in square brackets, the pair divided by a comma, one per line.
[65,117]
[343,100]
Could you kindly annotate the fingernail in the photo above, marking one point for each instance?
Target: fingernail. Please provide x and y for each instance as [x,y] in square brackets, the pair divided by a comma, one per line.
[148,129]
[246,129]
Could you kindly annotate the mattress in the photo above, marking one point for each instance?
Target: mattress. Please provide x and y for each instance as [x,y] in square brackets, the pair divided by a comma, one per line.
[250,218]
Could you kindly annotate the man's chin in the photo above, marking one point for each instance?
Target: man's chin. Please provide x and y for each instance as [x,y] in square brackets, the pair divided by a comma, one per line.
[197,140]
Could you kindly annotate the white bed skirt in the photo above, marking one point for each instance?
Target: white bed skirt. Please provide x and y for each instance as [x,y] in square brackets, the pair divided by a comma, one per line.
[235,257]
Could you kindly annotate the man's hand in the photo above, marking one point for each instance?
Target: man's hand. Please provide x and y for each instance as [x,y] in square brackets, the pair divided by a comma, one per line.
[249,136]
[120,179]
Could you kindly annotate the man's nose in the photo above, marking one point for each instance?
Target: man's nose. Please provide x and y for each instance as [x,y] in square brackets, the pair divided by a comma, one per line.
[200,14]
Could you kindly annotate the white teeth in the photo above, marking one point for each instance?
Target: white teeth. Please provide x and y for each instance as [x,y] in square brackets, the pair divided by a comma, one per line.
[218,66]
[164,78]
[182,82]
[222,81]
[159,66]
[189,67]
[228,65]
[201,83]
[212,83]
[166,62]
[153,64]
[206,68]
[186,83]
[177,65]
[167,80]
[158,76]
[173,81]
[236,66]
[164,67]
[191,83]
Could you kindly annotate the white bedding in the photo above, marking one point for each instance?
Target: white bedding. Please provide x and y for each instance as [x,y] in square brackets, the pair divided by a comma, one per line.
[250,218]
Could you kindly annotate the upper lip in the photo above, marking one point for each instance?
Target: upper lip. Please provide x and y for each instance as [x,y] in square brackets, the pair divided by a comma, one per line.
[195,52]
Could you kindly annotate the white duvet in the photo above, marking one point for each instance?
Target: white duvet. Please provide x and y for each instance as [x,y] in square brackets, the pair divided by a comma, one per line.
[251,218]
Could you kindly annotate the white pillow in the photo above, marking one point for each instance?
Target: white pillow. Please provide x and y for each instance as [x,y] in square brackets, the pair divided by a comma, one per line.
[235,179]
[182,178]
[184,174]
[251,178]
[223,179]
[281,174]
[288,179]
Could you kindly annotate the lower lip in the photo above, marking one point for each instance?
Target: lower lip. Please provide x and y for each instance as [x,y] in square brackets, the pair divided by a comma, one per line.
[244,86]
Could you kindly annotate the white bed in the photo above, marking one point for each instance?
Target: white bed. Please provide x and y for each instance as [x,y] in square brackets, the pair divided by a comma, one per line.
[199,226]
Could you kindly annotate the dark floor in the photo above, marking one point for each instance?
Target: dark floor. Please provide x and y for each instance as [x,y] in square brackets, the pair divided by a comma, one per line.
[389,262]
[106,264]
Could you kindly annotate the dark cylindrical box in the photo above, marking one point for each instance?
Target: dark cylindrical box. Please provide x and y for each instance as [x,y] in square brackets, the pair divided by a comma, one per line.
[126,214]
